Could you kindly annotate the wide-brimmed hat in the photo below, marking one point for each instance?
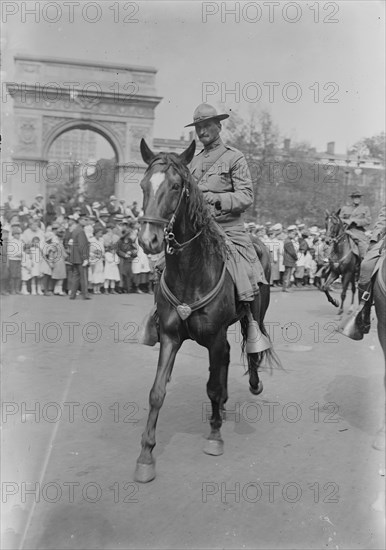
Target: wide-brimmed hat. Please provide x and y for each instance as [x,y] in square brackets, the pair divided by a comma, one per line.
[206,112]
[277,227]
[96,205]
[113,198]
[356,193]
[39,196]
[291,228]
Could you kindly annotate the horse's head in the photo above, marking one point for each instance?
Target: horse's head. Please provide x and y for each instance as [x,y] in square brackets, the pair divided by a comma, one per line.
[164,187]
[334,226]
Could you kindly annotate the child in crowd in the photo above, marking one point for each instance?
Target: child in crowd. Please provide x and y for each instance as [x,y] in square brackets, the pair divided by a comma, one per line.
[111,272]
[47,262]
[35,253]
[59,264]
[26,269]
[14,253]
[97,254]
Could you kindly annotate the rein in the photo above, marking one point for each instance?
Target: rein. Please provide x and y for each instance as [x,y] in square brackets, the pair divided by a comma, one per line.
[172,245]
[336,240]
[185,310]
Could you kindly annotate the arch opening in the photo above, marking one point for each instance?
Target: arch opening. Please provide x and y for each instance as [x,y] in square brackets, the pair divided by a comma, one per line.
[81,161]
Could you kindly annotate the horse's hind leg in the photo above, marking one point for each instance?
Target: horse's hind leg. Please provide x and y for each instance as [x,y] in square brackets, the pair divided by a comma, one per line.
[217,390]
[145,470]
[255,384]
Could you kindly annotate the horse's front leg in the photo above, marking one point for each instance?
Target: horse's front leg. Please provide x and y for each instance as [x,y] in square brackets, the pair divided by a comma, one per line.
[217,390]
[145,469]
[353,291]
[326,288]
[345,282]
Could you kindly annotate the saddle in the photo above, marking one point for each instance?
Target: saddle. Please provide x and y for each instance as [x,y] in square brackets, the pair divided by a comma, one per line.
[353,244]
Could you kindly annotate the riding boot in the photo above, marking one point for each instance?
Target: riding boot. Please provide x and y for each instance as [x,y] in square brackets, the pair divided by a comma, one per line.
[363,319]
[358,324]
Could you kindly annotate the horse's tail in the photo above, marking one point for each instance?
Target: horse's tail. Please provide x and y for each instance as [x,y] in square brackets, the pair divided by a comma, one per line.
[267,357]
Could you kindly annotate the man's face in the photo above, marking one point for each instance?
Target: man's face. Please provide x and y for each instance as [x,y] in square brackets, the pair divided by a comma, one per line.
[208,131]
[356,200]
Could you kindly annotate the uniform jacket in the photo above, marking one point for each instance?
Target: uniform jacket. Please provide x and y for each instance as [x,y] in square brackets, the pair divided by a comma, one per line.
[359,215]
[290,256]
[379,230]
[227,176]
[78,246]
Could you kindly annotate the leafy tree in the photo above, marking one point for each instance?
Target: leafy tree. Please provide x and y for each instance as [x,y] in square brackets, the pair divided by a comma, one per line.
[99,185]
[374,147]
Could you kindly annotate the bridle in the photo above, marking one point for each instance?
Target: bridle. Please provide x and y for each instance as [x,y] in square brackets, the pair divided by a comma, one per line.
[172,245]
[335,240]
[338,237]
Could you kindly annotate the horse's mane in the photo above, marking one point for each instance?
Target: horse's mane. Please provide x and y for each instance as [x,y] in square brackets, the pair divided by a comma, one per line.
[212,240]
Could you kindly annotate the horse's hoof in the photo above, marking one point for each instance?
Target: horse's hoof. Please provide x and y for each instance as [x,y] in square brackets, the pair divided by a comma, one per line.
[144,472]
[379,441]
[214,447]
[258,390]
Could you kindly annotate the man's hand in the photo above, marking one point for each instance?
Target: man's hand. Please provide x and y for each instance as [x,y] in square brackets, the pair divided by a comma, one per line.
[210,197]
[85,263]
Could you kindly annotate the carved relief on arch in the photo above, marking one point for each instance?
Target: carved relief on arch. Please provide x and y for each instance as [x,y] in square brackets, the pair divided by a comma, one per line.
[28,133]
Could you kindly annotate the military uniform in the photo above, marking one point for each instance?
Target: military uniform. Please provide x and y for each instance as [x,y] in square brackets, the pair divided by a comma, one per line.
[223,175]
[372,255]
[358,219]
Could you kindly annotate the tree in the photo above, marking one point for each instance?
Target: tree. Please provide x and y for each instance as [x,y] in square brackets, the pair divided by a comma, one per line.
[371,147]
[99,185]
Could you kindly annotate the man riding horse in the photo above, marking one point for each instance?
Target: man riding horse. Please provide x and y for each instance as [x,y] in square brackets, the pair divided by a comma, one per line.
[223,176]
[357,218]
[365,283]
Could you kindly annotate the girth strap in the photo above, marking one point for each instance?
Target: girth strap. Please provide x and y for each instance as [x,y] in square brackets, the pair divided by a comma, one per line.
[185,310]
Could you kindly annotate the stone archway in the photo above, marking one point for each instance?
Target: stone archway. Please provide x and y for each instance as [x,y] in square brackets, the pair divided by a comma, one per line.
[52,96]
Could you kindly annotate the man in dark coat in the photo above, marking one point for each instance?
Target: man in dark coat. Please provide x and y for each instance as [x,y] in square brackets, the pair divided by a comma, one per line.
[290,257]
[50,210]
[78,258]
[127,252]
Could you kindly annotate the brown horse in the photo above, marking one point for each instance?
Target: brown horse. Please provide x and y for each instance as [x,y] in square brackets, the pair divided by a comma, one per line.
[342,260]
[196,299]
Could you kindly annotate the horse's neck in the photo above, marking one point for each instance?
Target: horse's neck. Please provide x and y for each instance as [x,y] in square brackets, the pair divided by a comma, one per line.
[191,270]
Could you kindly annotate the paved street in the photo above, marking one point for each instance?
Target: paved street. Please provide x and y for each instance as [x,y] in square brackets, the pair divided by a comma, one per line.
[298,469]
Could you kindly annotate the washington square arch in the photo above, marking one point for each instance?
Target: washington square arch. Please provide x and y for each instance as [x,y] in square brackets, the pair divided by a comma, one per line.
[53,96]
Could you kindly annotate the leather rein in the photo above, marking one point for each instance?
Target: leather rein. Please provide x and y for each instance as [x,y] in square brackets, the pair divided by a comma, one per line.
[335,240]
[173,246]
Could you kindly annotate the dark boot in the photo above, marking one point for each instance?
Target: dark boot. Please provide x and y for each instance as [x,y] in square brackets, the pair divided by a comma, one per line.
[358,324]
[363,319]
[149,332]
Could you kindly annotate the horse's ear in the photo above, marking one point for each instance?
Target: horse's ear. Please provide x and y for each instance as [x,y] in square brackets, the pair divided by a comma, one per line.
[188,154]
[146,152]
[327,212]
[337,213]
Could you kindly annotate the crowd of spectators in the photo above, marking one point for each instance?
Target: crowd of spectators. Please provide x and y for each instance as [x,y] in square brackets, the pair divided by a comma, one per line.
[40,256]
[298,253]
[38,249]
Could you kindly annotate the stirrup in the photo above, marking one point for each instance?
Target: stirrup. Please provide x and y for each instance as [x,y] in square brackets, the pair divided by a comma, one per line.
[148,334]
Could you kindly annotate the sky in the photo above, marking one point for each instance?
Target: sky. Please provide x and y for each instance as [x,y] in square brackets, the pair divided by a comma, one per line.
[327,59]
